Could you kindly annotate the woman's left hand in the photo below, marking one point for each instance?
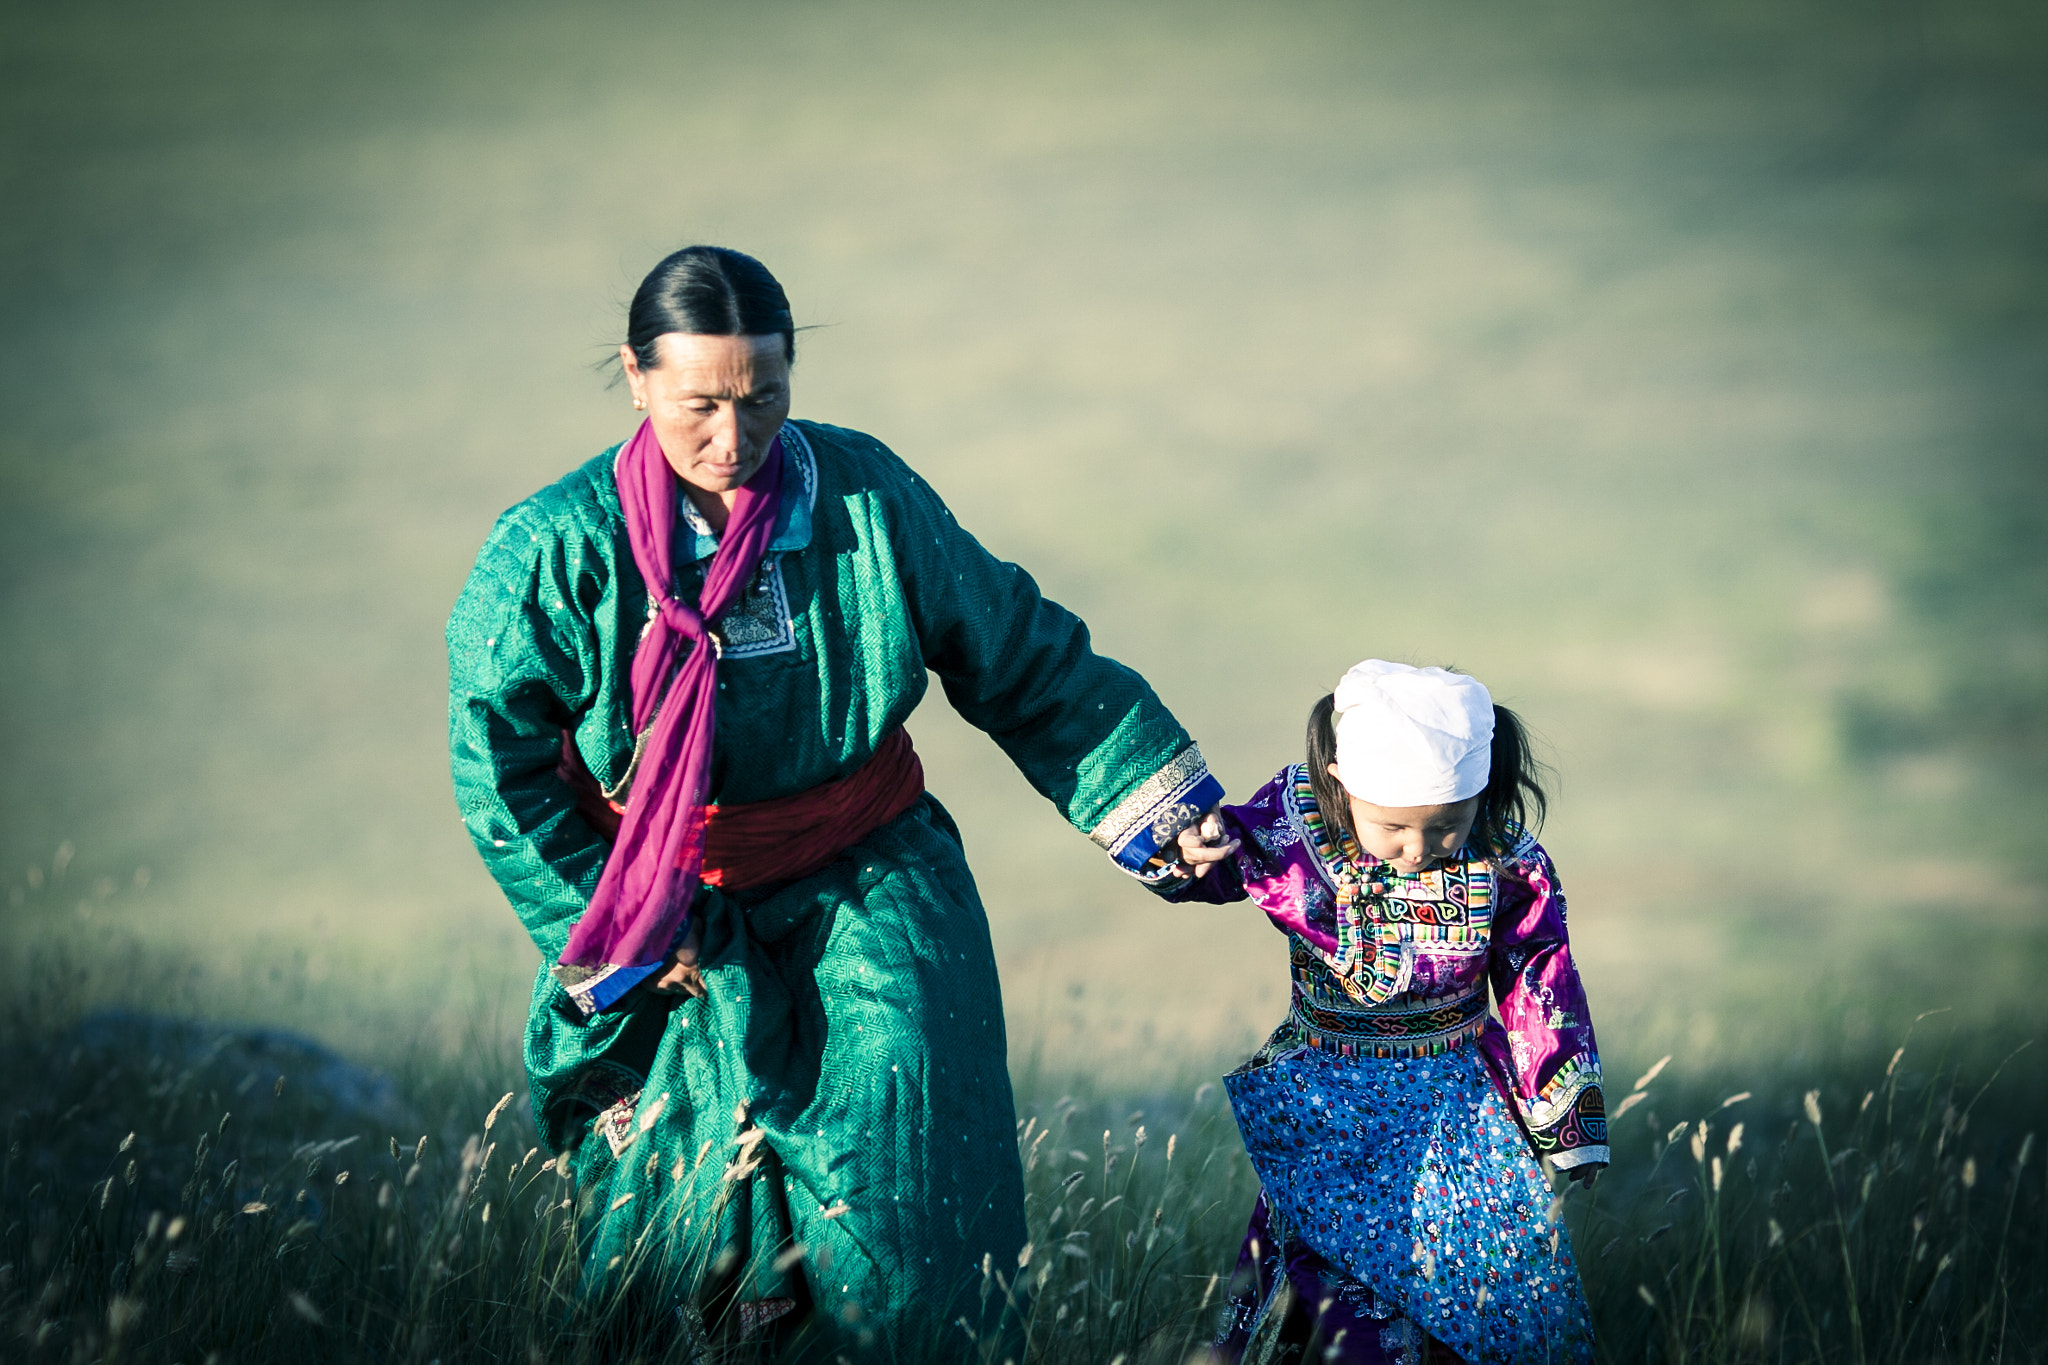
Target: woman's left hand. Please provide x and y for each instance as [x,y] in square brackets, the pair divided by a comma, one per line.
[682,976]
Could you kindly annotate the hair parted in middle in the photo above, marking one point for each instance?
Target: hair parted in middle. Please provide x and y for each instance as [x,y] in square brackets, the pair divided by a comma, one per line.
[707,291]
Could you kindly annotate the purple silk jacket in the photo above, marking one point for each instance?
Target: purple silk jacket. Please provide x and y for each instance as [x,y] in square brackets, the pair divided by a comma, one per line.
[1432,938]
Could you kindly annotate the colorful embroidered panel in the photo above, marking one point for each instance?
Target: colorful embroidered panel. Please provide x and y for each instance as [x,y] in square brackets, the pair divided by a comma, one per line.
[1324,1015]
[1386,916]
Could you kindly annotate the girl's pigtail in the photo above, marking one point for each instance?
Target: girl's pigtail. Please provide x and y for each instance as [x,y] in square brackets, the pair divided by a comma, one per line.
[1322,752]
[1514,800]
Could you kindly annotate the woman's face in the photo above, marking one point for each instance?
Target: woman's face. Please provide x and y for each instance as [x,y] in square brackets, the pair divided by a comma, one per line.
[715,402]
[1411,838]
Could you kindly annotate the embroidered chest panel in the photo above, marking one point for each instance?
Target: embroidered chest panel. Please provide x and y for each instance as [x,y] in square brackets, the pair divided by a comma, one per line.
[759,622]
[1386,918]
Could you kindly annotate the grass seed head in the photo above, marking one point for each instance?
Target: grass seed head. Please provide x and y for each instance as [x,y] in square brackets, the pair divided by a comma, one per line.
[123,1313]
[1813,1107]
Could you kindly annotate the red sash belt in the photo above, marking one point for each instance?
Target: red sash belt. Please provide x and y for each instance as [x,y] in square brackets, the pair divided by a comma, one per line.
[791,836]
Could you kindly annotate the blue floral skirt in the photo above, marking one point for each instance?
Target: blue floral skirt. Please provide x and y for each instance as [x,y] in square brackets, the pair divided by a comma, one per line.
[1409,1177]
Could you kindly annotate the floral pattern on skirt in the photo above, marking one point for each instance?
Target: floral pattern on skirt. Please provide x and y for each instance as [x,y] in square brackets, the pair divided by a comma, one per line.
[1409,1176]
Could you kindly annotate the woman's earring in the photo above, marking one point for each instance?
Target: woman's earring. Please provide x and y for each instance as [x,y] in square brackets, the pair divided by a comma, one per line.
[639,403]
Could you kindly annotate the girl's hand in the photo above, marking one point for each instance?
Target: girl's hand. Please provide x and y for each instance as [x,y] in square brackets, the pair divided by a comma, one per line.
[682,977]
[1203,845]
[1586,1174]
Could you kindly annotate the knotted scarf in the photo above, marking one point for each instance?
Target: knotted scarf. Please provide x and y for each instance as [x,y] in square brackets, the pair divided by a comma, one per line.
[644,894]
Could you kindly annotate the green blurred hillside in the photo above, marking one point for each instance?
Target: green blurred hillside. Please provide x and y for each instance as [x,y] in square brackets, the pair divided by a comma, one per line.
[1677,370]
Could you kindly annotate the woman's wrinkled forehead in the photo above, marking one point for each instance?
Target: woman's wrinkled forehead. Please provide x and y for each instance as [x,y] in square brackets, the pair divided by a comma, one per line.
[723,367]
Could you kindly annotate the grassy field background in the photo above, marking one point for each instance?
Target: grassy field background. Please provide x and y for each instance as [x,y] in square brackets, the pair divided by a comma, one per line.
[1678,373]
[1677,370]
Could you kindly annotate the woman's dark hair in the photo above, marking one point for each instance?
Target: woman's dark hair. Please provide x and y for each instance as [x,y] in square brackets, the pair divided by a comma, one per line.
[1514,795]
[709,291]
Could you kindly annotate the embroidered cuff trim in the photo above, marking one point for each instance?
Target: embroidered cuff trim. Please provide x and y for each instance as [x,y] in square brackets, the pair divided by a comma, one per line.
[1578,1156]
[596,989]
[1559,1098]
[1571,1113]
[1166,877]
[1161,807]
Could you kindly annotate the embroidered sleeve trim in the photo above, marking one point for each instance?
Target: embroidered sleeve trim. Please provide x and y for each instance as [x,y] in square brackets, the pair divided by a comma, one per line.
[1571,1113]
[1158,809]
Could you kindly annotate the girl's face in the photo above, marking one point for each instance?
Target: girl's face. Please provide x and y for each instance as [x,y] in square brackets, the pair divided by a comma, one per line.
[1411,838]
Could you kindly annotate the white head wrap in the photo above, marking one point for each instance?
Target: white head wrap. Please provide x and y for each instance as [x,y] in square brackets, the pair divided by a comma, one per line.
[1411,736]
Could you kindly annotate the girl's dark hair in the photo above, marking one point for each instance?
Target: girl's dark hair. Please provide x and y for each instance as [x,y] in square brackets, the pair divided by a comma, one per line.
[709,291]
[1513,797]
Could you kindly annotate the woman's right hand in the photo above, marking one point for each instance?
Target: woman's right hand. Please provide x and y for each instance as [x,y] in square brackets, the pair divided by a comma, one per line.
[682,975]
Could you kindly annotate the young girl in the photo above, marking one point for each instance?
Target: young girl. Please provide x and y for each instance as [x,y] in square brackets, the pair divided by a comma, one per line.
[1395,1127]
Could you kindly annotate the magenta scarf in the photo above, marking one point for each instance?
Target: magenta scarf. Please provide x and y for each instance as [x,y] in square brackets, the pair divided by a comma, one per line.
[651,876]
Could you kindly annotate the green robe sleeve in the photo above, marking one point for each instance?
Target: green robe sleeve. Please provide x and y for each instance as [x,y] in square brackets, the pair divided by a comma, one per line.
[1087,732]
[522,666]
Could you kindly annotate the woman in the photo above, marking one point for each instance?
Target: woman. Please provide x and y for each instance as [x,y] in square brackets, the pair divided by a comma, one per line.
[799,1113]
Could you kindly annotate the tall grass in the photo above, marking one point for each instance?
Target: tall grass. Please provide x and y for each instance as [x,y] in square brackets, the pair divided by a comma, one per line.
[159,1208]
[1903,1218]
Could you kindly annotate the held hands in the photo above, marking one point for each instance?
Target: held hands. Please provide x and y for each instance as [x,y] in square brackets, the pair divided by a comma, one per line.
[682,976]
[1203,844]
